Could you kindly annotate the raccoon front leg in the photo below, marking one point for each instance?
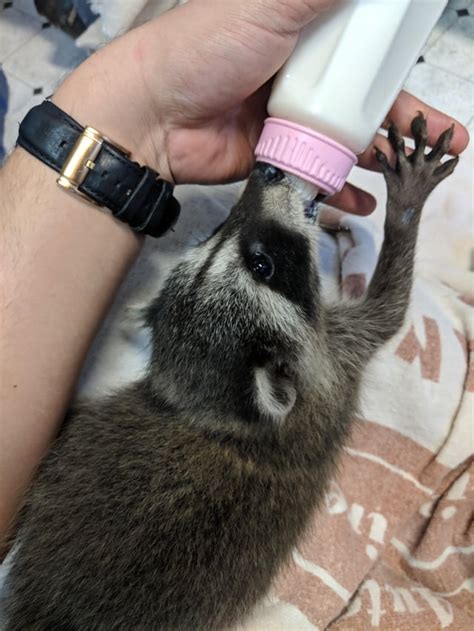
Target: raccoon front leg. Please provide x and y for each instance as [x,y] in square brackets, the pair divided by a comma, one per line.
[358,330]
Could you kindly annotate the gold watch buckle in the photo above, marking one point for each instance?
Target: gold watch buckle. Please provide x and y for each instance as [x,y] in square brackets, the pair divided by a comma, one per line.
[81,160]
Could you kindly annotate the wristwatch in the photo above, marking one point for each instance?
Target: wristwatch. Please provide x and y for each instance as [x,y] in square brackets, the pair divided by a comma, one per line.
[98,170]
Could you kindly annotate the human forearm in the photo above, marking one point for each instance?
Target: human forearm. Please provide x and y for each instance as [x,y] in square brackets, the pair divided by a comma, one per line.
[61,262]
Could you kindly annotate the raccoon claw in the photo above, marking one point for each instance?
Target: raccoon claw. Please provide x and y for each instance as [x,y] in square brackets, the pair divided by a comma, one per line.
[442,145]
[446,168]
[398,145]
[420,134]
[414,177]
[382,158]
[396,140]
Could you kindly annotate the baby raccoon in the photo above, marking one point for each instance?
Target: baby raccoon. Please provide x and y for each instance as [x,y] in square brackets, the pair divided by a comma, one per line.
[173,503]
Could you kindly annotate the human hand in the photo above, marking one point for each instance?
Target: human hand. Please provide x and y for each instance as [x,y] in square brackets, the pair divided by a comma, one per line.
[187,92]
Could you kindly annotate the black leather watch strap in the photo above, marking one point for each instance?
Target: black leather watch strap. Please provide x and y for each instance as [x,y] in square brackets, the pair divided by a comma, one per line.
[133,193]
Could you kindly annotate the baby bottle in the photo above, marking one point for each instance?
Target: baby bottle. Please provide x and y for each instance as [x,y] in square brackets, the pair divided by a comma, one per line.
[335,90]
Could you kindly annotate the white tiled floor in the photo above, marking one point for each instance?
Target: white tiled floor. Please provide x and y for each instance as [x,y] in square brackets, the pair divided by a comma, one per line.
[15,31]
[35,56]
[25,6]
[44,58]
[443,89]
[454,50]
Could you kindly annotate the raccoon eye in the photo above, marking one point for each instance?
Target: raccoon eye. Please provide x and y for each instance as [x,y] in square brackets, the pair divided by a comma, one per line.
[262,265]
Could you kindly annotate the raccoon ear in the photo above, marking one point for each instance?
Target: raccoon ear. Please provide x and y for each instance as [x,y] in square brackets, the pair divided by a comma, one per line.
[275,391]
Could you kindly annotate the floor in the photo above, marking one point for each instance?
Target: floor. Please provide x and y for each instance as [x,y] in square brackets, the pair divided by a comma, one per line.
[35,56]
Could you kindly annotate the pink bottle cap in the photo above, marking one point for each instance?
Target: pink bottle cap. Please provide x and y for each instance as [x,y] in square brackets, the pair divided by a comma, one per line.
[305,153]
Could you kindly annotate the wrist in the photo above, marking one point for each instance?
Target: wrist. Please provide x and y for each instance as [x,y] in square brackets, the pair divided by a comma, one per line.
[31,203]
[109,94]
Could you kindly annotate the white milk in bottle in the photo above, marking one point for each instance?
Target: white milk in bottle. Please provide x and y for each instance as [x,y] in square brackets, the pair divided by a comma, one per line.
[335,90]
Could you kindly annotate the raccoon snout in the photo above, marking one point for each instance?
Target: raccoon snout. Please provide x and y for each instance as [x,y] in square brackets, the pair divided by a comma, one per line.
[270,173]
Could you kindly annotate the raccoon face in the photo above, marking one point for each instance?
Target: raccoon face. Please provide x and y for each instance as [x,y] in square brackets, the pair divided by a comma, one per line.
[234,318]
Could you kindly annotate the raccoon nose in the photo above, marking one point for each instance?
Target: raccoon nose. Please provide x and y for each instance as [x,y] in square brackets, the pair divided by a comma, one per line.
[269,172]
